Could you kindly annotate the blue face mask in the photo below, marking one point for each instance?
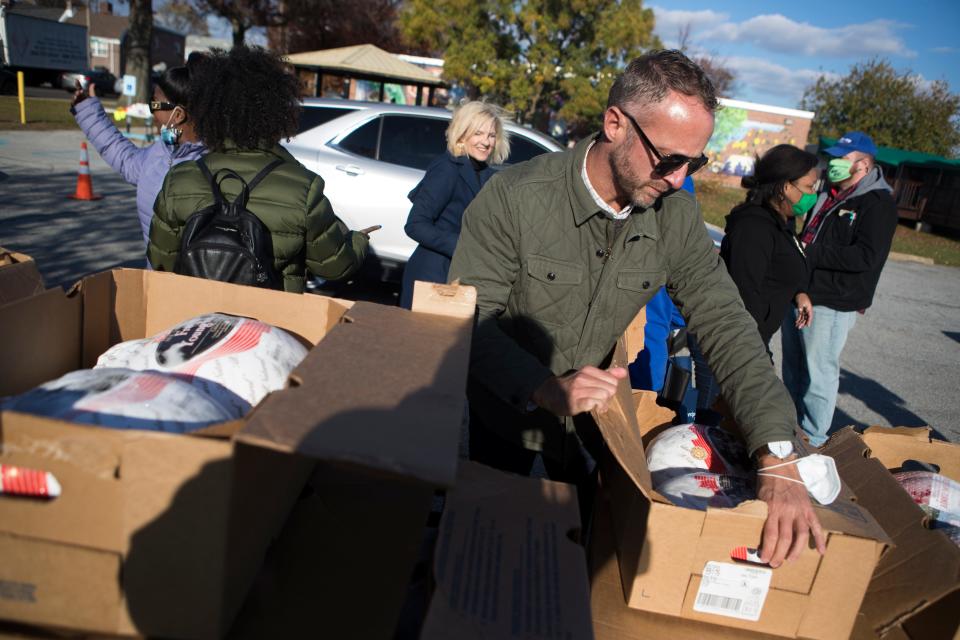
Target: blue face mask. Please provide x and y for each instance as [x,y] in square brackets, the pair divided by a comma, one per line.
[170,135]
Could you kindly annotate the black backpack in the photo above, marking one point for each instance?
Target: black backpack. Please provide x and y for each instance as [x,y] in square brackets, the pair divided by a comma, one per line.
[225,241]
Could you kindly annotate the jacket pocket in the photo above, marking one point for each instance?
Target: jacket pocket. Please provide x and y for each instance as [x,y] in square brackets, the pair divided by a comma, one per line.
[551,289]
[635,287]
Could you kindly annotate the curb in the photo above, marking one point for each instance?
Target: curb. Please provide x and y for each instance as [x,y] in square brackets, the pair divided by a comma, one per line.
[906,257]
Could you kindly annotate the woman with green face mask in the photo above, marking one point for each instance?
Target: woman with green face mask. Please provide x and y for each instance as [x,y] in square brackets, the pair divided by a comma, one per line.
[760,248]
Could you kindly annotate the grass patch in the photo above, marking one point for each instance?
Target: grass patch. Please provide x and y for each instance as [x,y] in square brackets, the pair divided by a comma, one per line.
[941,249]
[716,201]
[43,114]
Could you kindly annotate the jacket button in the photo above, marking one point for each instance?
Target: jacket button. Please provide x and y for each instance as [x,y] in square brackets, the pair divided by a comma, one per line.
[645,284]
[551,276]
[600,253]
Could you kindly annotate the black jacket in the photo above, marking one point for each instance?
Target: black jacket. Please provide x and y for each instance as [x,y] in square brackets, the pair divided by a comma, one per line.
[766,263]
[851,246]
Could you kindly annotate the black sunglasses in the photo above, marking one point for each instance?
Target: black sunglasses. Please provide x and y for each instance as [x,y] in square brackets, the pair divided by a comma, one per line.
[156,105]
[670,163]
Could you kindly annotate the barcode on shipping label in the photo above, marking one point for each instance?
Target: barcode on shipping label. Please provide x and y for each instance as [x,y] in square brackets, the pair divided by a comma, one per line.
[733,590]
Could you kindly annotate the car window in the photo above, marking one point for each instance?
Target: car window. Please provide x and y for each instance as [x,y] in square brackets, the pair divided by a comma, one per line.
[522,149]
[412,141]
[363,141]
[311,117]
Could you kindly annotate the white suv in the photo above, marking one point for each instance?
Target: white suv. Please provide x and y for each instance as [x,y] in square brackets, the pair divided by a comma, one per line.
[371,155]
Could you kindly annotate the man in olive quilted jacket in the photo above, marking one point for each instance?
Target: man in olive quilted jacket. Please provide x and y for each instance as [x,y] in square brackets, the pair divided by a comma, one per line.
[565,249]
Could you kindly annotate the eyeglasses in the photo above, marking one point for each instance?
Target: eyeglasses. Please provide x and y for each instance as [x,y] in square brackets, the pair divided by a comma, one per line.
[156,105]
[669,163]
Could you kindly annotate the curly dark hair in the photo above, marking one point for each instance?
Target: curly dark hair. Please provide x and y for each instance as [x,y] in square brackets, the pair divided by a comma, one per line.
[246,97]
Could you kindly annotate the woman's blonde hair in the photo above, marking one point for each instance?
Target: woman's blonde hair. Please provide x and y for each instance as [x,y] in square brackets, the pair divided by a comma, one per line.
[470,116]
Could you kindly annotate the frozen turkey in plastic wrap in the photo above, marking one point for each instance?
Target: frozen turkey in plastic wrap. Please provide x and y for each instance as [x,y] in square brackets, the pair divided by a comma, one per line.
[123,399]
[938,496]
[697,466]
[702,489]
[235,360]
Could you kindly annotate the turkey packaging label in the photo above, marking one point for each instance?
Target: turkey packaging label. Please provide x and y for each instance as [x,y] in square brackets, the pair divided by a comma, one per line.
[697,466]
[235,360]
[123,399]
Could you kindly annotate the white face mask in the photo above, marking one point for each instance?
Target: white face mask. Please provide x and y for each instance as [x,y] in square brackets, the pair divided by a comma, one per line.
[818,473]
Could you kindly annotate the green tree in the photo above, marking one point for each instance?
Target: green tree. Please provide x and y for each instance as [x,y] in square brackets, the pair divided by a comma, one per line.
[533,56]
[895,109]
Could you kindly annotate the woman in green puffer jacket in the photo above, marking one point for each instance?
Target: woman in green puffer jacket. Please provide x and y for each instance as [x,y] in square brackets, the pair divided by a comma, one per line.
[243,102]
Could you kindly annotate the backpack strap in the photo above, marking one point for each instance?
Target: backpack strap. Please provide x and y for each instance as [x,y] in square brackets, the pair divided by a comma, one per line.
[214,186]
[263,173]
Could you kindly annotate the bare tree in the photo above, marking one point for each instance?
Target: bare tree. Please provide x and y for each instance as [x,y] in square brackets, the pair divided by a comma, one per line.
[323,24]
[139,37]
[723,78]
[243,15]
[182,17]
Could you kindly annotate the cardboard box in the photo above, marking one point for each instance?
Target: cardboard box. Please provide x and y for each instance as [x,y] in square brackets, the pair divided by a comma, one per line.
[893,446]
[162,534]
[19,277]
[915,591]
[507,561]
[662,549]
[614,620]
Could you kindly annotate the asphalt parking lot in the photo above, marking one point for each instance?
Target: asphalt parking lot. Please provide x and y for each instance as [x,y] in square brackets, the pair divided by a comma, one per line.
[901,365]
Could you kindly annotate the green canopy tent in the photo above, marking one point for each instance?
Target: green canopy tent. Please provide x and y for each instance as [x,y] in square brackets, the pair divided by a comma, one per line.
[925,186]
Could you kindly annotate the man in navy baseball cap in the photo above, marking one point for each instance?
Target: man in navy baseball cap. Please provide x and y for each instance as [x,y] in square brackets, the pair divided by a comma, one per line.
[852,141]
[846,239]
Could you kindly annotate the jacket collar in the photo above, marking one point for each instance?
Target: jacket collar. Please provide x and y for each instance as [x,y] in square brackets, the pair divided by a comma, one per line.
[582,202]
[276,150]
[584,206]
[184,149]
[467,173]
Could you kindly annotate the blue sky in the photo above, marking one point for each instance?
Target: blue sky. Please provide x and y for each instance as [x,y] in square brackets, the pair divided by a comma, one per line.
[777,48]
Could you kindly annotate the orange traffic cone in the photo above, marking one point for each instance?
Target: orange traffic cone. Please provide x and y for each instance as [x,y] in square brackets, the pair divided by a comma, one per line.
[84,182]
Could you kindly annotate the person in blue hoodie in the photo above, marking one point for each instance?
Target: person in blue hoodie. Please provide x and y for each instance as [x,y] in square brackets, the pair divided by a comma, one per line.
[144,167]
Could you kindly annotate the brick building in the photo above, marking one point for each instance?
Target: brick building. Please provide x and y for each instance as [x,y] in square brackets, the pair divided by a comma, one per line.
[745,130]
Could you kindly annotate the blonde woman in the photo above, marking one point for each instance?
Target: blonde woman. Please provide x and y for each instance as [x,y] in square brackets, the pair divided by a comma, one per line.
[475,139]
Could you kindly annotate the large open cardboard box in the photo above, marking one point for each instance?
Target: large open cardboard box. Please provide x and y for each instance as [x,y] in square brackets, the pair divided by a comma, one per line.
[508,562]
[614,620]
[662,549]
[19,276]
[915,591]
[161,534]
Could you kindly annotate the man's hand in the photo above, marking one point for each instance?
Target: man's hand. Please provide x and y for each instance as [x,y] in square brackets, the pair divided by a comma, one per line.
[79,95]
[583,390]
[804,310]
[790,516]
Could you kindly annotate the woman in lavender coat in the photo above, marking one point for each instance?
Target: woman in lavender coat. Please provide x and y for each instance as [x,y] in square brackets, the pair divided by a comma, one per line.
[144,167]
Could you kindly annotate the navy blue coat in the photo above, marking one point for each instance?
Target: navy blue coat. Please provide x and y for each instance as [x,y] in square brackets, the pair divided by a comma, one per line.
[439,201]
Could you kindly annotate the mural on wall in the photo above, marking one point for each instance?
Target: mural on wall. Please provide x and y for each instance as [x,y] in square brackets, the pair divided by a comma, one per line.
[737,140]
